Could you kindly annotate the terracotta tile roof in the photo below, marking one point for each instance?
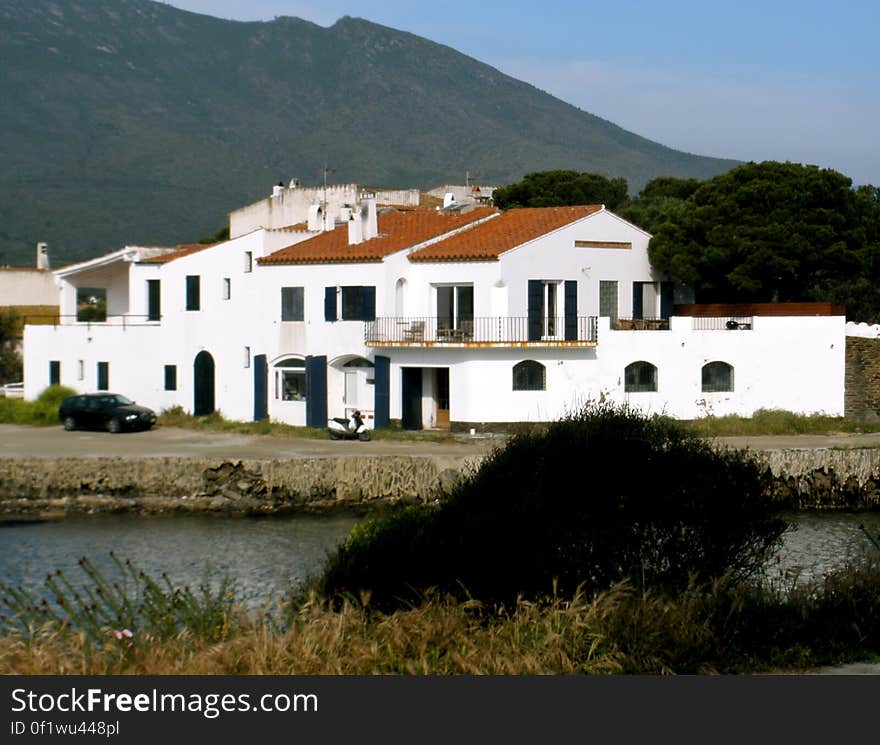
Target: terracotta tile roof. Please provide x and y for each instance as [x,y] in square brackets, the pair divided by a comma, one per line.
[183,249]
[488,241]
[300,226]
[397,230]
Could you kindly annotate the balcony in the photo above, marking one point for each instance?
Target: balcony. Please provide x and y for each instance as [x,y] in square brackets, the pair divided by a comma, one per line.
[640,324]
[723,323]
[480,332]
[123,321]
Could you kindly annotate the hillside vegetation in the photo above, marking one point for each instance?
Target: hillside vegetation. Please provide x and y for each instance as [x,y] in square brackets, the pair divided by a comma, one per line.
[132,122]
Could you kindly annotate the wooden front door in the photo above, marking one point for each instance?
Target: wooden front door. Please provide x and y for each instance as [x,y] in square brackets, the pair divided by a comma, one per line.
[442,398]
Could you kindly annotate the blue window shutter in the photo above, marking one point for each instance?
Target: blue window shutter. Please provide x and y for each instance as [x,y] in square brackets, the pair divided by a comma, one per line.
[535,289]
[382,390]
[316,391]
[261,389]
[638,306]
[667,298]
[369,304]
[329,303]
[571,308]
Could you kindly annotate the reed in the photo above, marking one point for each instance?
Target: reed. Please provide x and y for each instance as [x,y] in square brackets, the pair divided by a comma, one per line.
[717,628]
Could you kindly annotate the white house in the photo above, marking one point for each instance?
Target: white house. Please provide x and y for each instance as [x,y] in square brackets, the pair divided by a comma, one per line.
[458,318]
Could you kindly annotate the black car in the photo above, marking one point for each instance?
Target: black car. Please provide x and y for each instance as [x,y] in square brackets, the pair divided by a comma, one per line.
[108,411]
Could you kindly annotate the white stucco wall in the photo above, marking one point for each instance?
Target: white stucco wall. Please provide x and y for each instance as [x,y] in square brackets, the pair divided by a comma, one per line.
[27,287]
[795,363]
[289,207]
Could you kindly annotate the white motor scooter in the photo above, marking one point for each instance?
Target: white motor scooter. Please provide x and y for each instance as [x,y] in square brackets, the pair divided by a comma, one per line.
[352,428]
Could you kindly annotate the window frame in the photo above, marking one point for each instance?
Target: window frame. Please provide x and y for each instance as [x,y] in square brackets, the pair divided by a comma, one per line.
[550,296]
[522,376]
[357,303]
[295,367]
[193,292]
[460,317]
[711,387]
[641,387]
[170,378]
[295,305]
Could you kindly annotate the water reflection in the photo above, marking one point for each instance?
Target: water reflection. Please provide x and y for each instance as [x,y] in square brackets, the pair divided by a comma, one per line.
[265,557]
[820,542]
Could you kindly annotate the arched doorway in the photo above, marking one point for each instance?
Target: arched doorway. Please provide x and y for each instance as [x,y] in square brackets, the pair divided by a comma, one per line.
[203,384]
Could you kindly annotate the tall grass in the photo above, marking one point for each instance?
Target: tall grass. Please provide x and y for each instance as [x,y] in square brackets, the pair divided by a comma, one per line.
[777,422]
[128,607]
[717,628]
[41,412]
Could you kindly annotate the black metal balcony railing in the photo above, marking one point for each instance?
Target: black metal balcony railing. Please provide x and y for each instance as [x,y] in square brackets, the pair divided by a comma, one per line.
[431,331]
[723,323]
[125,320]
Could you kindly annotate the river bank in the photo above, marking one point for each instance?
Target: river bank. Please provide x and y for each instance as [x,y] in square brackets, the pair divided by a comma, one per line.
[46,472]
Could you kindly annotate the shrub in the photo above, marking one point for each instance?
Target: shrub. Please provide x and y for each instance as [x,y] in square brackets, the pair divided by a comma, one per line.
[601,496]
[42,411]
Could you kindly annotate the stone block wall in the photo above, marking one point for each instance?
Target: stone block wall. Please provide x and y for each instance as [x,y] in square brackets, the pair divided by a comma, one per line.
[862,381]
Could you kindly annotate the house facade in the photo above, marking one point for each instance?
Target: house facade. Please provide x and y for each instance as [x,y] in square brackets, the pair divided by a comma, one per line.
[463,317]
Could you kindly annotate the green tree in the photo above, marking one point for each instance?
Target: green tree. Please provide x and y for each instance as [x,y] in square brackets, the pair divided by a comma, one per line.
[221,235]
[560,188]
[10,359]
[663,199]
[669,186]
[773,232]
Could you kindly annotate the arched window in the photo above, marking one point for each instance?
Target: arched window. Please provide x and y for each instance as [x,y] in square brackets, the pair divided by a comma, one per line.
[717,377]
[529,376]
[640,377]
[290,379]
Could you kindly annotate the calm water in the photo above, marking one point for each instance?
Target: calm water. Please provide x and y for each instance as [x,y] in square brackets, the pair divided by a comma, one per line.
[269,556]
[265,556]
[819,542]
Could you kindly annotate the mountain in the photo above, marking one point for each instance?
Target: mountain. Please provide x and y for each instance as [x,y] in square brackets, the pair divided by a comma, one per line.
[129,121]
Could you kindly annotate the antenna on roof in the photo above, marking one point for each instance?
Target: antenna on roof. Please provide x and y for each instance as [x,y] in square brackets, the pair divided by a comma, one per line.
[324,203]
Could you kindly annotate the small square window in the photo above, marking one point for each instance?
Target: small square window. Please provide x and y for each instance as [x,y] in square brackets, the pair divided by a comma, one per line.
[227,288]
[248,261]
[292,305]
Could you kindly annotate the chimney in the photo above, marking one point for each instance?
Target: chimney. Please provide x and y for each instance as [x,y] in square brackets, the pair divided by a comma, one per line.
[355,228]
[368,218]
[448,199]
[316,217]
[42,255]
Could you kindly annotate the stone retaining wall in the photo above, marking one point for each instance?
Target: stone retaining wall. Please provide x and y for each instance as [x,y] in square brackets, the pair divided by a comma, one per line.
[804,479]
[825,478]
[70,485]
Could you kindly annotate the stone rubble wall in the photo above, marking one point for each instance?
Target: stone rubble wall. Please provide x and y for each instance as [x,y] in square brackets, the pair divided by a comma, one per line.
[71,485]
[825,478]
[862,379]
[804,479]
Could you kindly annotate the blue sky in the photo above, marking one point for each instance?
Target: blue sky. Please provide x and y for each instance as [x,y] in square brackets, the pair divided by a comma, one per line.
[772,80]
